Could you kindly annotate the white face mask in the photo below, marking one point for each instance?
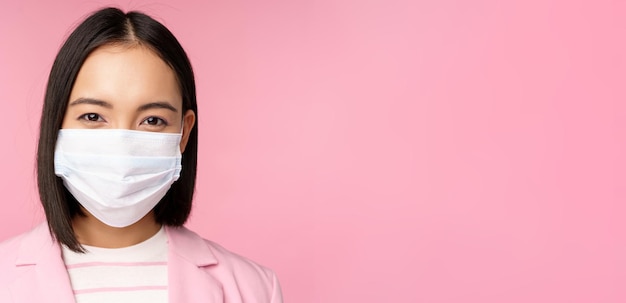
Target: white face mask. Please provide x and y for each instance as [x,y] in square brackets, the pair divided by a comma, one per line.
[117,175]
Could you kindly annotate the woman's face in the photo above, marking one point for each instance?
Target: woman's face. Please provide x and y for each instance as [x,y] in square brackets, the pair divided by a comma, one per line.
[127,87]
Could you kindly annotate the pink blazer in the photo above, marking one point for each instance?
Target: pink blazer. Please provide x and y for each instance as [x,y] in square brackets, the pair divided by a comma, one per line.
[32,271]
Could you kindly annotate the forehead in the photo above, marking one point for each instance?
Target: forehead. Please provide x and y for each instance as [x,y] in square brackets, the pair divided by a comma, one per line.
[126,73]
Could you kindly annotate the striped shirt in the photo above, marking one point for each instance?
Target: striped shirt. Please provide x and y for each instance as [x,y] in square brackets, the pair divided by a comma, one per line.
[135,274]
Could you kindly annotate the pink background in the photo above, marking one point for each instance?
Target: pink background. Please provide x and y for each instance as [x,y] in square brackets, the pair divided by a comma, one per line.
[382,151]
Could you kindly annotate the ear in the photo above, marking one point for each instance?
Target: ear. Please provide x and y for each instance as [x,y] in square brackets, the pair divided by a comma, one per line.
[189,119]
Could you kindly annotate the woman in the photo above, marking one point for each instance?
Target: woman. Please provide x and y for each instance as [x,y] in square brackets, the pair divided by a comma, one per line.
[116,170]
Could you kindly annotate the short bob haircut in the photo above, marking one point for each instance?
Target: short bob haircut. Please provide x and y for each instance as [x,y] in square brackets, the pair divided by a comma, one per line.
[110,26]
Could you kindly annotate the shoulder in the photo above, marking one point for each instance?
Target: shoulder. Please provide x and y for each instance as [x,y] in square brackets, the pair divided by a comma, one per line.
[8,258]
[8,251]
[10,248]
[11,251]
[235,272]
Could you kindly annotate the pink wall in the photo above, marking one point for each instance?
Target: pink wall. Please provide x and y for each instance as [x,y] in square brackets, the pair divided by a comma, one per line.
[383,151]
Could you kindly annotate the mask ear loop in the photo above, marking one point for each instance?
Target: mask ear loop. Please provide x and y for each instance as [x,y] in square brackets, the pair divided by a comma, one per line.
[182,126]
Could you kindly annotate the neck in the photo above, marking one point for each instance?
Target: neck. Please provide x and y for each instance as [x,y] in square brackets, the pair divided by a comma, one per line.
[91,231]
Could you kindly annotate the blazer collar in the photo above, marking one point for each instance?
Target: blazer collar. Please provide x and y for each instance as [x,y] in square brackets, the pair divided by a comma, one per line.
[48,280]
[37,245]
[189,265]
[189,246]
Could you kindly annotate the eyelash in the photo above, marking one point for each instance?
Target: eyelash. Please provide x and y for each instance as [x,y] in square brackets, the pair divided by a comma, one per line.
[160,122]
[86,117]
[89,116]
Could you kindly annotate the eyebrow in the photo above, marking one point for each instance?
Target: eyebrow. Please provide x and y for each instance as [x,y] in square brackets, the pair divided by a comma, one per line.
[161,104]
[144,107]
[91,101]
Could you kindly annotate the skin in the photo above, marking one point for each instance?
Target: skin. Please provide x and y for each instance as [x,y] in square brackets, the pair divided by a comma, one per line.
[126,87]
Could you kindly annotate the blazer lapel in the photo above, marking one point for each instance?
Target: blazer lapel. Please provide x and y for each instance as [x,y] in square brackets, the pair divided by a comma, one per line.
[188,259]
[45,278]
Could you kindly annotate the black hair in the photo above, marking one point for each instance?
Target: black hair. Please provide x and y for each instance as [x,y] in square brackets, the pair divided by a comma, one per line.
[106,27]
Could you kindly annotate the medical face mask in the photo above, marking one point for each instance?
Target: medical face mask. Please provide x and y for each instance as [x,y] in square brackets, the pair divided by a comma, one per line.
[117,175]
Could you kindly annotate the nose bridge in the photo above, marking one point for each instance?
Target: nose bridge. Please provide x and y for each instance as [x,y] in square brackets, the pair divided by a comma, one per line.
[124,118]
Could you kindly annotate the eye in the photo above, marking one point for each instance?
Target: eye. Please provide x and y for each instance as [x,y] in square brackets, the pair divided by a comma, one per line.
[154,121]
[91,117]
